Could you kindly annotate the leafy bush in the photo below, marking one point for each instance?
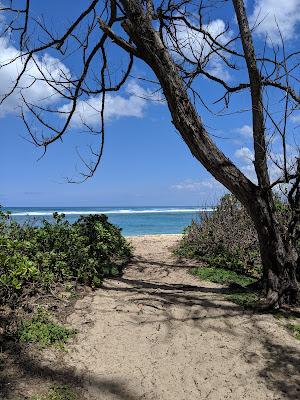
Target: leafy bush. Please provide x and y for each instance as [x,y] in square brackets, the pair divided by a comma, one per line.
[225,238]
[33,257]
[41,329]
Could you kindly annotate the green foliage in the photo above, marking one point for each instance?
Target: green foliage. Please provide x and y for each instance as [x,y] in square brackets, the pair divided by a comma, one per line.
[223,276]
[42,330]
[105,243]
[284,314]
[61,392]
[247,300]
[295,329]
[32,256]
[225,238]
[279,315]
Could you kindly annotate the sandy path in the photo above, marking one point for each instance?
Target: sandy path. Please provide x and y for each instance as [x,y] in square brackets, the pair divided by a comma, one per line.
[160,333]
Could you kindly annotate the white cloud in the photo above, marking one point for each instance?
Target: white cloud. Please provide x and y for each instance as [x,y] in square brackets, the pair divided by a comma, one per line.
[245,154]
[249,171]
[32,84]
[131,104]
[275,162]
[245,130]
[194,46]
[218,69]
[35,89]
[191,185]
[267,12]
[246,157]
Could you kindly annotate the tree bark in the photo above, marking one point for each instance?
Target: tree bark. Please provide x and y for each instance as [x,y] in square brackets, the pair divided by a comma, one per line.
[258,120]
[279,255]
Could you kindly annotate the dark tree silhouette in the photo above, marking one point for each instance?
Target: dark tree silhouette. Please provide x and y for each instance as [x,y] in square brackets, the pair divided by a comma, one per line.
[175,40]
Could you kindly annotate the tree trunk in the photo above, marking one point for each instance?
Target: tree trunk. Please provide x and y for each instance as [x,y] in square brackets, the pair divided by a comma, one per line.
[279,255]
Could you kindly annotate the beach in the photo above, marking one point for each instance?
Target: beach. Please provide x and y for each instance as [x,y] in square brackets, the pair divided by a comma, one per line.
[158,332]
[150,200]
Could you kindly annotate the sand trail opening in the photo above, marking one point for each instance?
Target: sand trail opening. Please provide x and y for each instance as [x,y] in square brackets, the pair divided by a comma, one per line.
[157,332]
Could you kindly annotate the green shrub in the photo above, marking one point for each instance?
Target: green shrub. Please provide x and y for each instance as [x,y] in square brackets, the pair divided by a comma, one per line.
[225,238]
[33,257]
[42,330]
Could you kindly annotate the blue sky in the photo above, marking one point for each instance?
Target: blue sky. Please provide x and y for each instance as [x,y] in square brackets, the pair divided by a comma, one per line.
[145,161]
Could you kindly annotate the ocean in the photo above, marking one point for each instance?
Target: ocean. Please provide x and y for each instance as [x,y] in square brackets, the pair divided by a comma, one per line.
[133,220]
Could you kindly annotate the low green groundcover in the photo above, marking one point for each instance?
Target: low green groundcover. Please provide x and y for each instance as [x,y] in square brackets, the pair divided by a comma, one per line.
[223,276]
[61,392]
[42,330]
[295,328]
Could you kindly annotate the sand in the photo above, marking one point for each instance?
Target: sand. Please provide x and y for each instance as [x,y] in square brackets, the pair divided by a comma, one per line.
[160,333]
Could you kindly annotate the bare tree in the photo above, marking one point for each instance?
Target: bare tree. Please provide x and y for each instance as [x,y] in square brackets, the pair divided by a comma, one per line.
[174,39]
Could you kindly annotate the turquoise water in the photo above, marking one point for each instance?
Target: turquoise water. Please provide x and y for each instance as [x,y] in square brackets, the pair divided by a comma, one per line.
[132,220]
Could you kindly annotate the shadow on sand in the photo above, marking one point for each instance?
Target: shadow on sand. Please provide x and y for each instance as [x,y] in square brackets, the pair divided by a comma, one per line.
[281,371]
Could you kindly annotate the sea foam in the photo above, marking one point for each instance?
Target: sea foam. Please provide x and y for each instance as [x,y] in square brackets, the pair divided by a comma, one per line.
[120,211]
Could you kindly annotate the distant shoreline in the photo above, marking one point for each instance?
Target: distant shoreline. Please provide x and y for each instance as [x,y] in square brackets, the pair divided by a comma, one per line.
[77,211]
[149,236]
